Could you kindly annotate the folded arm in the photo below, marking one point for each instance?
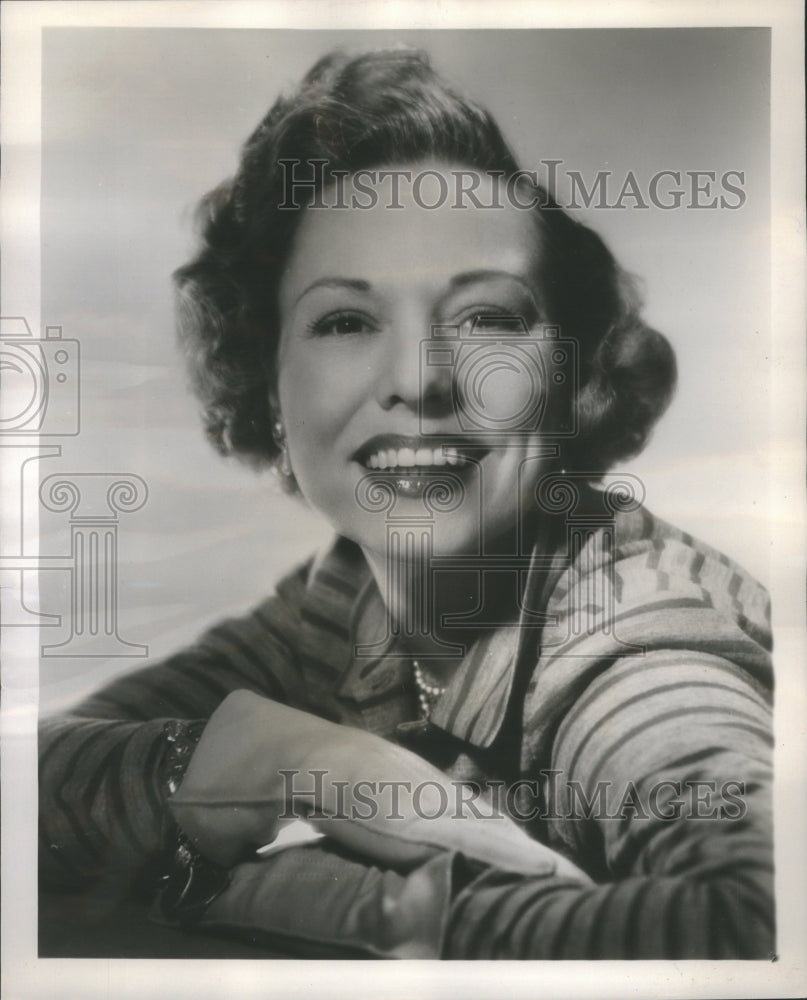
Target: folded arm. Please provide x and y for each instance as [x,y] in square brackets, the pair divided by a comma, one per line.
[658,784]
[661,781]
[101,791]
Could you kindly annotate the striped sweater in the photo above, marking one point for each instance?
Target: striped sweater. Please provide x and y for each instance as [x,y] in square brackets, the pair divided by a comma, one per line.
[631,703]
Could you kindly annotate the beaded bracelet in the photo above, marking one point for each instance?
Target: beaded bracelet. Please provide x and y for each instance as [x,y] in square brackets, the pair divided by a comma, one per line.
[191,882]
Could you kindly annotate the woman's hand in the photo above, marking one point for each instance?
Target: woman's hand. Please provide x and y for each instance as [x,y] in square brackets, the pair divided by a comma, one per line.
[260,763]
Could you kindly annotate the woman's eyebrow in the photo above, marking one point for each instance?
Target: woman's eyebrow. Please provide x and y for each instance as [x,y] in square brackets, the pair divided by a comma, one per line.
[486,274]
[355,284]
[455,282]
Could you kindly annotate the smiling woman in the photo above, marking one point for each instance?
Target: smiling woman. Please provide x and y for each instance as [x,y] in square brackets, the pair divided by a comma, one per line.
[355,387]
[567,697]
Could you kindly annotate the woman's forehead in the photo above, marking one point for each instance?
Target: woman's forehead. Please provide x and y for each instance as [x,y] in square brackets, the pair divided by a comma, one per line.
[410,233]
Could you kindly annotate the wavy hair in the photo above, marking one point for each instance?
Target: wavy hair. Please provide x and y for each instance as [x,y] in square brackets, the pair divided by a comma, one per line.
[364,112]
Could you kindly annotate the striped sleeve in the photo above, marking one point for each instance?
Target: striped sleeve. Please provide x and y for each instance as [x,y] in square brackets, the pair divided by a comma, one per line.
[656,774]
[101,807]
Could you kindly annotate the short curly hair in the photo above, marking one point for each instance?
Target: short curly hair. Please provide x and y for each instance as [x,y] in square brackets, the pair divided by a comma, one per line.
[363,112]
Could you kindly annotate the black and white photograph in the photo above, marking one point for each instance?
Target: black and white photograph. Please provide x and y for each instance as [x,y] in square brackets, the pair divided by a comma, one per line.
[402,449]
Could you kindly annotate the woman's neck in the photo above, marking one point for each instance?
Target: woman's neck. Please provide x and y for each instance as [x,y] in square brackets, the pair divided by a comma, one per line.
[427,603]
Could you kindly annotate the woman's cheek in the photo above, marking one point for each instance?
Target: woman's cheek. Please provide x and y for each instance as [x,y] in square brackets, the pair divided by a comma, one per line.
[507,393]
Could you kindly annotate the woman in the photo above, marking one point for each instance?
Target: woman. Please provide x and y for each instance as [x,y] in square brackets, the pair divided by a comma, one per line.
[441,362]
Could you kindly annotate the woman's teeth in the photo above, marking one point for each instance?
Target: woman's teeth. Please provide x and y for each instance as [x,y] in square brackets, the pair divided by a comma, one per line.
[409,458]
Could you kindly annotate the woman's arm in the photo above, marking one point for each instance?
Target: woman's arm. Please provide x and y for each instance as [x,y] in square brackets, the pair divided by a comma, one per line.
[101,767]
[663,783]
[650,706]
[260,764]
[682,874]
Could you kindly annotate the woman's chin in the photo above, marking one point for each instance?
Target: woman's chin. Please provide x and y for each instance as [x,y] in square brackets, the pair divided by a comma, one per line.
[414,514]
[417,542]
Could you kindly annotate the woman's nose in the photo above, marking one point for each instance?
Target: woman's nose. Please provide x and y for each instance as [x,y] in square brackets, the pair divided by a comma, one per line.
[408,375]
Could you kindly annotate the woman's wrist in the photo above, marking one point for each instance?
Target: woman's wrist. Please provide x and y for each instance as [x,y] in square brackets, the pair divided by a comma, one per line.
[189,882]
[181,738]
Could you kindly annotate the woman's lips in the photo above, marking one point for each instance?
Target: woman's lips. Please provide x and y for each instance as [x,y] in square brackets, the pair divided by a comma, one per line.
[414,486]
[414,465]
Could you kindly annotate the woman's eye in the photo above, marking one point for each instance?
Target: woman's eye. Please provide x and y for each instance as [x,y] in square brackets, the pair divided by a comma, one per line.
[342,324]
[494,324]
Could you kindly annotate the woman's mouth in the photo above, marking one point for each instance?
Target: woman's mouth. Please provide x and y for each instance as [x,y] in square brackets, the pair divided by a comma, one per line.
[412,465]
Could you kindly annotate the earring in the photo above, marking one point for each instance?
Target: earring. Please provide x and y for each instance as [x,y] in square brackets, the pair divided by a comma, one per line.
[283,466]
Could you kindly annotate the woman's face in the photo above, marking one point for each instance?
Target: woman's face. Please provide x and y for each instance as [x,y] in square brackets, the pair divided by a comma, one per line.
[371,391]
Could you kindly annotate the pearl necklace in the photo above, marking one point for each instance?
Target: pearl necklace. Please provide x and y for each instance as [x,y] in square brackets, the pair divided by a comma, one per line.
[427,693]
